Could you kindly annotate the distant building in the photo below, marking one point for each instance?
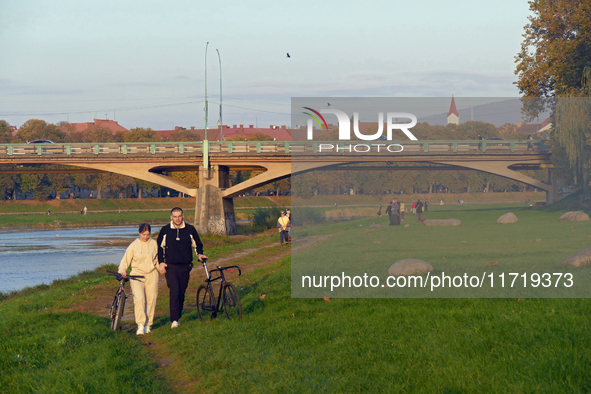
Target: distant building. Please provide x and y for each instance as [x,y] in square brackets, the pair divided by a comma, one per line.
[533,128]
[453,116]
[105,123]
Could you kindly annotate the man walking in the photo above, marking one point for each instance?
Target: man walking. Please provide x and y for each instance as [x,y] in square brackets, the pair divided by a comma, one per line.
[175,257]
[283,224]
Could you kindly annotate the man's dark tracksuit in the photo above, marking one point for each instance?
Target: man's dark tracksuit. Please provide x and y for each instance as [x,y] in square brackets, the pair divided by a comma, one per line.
[178,256]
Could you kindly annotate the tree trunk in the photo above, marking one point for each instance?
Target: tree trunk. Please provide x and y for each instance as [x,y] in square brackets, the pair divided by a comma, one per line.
[139,192]
[99,192]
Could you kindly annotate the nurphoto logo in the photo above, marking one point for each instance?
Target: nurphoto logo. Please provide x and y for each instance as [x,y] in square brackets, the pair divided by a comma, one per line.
[345,124]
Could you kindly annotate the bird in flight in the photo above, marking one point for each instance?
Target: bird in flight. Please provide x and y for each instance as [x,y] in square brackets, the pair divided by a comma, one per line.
[328,104]
[288,55]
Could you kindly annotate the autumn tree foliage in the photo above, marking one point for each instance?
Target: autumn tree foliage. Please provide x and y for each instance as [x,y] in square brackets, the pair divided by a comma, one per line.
[554,71]
[556,47]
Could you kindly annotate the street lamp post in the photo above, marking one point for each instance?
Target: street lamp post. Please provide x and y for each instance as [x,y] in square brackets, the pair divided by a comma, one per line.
[221,122]
[206,90]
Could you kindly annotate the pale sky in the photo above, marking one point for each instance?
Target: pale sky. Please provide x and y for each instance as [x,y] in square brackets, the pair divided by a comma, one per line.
[143,62]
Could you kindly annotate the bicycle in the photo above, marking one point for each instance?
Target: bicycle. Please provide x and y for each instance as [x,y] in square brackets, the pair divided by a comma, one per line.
[118,305]
[228,296]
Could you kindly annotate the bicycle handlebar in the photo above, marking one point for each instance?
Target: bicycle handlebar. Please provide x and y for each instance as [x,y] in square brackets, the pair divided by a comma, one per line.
[117,275]
[226,268]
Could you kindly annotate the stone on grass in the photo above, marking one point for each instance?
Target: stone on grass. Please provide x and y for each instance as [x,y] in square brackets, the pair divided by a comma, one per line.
[407,225]
[580,259]
[507,218]
[442,222]
[375,226]
[577,216]
[408,267]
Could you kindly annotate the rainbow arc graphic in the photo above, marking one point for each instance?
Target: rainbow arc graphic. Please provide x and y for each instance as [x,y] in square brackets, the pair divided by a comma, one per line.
[316,117]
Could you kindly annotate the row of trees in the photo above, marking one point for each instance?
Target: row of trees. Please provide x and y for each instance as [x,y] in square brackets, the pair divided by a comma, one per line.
[399,181]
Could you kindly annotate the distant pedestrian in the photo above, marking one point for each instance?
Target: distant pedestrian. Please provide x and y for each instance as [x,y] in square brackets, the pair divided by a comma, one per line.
[530,145]
[395,218]
[81,211]
[283,225]
[49,211]
[441,202]
[380,211]
[419,209]
[288,214]
[413,207]
[85,210]
[426,205]
[402,209]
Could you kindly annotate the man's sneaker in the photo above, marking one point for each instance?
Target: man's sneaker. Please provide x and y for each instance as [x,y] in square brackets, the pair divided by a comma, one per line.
[175,324]
[148,329]
[140,330]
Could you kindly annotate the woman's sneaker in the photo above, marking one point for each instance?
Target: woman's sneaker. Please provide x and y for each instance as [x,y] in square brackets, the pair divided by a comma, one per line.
[148,329]
[175,324]
[140,330]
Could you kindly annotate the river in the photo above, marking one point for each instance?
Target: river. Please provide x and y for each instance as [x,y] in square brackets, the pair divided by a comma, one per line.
[32,257]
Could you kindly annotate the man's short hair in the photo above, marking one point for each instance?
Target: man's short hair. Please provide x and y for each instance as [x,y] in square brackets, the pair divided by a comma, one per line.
[176,209]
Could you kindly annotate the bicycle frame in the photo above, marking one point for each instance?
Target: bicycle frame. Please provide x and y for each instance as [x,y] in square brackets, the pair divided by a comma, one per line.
[120,296]
[210,281]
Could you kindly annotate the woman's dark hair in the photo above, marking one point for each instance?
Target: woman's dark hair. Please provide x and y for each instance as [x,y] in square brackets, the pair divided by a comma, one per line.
[144,227]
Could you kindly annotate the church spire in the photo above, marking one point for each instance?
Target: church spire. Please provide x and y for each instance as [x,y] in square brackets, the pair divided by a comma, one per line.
[453,116]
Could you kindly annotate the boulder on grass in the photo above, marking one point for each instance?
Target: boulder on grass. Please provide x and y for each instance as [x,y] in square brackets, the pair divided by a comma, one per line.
[507,218]
[580,259]
[577,216]
[408,267]
[442,222]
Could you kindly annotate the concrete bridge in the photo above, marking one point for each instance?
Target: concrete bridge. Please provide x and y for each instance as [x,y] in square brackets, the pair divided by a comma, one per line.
[278,160]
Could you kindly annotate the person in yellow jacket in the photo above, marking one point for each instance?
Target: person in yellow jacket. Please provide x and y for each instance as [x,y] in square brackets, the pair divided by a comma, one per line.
[283,224]
[142,256]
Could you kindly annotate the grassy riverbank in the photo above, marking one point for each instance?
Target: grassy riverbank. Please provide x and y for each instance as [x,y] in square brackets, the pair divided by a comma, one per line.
[66,213]
[310,345]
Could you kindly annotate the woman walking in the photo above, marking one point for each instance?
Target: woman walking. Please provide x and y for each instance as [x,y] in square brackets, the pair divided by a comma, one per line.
[142,256]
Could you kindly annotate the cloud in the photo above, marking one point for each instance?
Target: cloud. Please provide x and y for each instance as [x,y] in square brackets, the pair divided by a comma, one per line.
[12,88]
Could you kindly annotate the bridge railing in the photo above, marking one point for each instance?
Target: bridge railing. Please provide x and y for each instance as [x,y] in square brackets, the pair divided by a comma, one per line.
[266,147]
[388,147]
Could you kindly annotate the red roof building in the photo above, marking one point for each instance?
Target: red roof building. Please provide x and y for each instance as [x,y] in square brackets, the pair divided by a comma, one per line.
[112,125]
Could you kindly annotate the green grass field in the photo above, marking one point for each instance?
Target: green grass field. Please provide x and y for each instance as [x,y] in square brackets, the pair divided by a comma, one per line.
[286,344]
[534,245]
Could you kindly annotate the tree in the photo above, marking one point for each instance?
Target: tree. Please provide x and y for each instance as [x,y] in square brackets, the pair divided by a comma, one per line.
[183,136]
[140,134]
[94,134]
[555,50]
[35,129]
[5,132]
[255,137]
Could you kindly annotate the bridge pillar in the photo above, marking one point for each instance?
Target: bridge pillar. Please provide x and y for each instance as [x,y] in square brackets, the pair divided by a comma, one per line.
[214,214]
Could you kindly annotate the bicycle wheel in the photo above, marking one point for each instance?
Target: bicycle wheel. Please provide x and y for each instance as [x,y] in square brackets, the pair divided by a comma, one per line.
[205,301]
[232,306]
[117,310]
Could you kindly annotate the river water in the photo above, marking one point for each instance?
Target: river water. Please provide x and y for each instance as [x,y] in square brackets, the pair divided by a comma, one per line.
[32,257]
